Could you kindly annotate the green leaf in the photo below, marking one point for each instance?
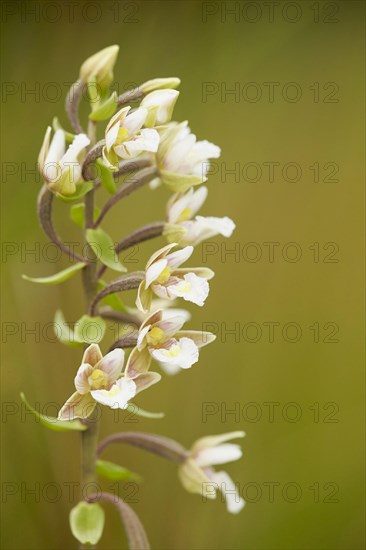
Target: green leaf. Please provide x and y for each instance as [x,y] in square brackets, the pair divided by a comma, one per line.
[134,409]
[104,110]
[57,278]
[106,177]
[77,213]
[63,331]
[103,247]
[53,423]
[81,189]
[115,472]
[89,330]
[112,300]
[87,522]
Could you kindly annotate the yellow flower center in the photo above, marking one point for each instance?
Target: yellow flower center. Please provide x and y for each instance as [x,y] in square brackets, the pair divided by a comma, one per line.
[155,336]
[98,379]
[164,275]
[185,215]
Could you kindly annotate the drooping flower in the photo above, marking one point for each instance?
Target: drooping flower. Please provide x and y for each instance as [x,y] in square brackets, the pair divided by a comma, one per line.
[198,476]
[100,379]
[167,280]
[181,228]
[160,105]
[61,168]
[181,159]
[125,137]
[162,339]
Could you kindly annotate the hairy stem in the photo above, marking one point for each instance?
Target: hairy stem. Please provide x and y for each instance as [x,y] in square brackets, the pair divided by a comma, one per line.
[159,445]
[126,282]
[93,154]
[140,235]
[89,437]
[131,95]
[44,209]
[142,178]
[136,535]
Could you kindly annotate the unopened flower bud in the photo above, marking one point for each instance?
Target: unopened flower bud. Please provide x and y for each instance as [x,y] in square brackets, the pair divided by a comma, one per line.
[99,67]
[159,84]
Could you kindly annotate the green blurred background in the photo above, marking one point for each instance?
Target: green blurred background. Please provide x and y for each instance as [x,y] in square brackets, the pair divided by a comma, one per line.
[311,450]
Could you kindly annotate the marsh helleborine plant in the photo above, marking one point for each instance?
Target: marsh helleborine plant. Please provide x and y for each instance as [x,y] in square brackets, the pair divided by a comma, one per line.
[142,146]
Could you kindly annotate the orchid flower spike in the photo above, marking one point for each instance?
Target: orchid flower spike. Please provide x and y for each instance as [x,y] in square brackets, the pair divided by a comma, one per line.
[164,278]
[182,229]
[61,168]
[163,340]
[124,137]
[182,160]
[198,476]
[100,379]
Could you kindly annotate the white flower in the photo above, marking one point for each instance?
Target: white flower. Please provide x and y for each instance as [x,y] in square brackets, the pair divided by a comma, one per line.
[160,105]
[61,168]
[182,160]
[198,476]
[164,340]
[165,279]
[182,229]
[100,379]
[124,137]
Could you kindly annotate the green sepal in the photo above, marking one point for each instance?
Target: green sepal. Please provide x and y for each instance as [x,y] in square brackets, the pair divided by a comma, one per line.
[53,423]
[106,109]
[57,278]
[106,177]
[115,472]
[77,214]
[103,247]
[87,522]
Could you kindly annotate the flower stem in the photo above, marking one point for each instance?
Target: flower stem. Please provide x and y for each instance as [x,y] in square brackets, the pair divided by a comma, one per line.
[89,437]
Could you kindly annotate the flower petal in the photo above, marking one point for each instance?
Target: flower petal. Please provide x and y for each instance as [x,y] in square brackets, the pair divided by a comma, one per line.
[220,454]
[214,440]
[193,478]
[153,272]
[175,259]
[144,297]
[138,362]
[192,288]
[144,381]
[81,379]
[118,396]
[200,337]
[184,353]
[234,502]
[92,355]
[112,364]
[77,406]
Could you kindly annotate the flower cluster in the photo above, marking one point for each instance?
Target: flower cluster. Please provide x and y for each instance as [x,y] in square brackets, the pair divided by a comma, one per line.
[166,153]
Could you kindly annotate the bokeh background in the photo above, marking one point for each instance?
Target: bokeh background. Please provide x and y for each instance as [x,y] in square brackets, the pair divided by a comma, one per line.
[302,470]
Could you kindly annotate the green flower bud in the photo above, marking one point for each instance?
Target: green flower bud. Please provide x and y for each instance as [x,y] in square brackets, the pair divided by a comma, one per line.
[99,67]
